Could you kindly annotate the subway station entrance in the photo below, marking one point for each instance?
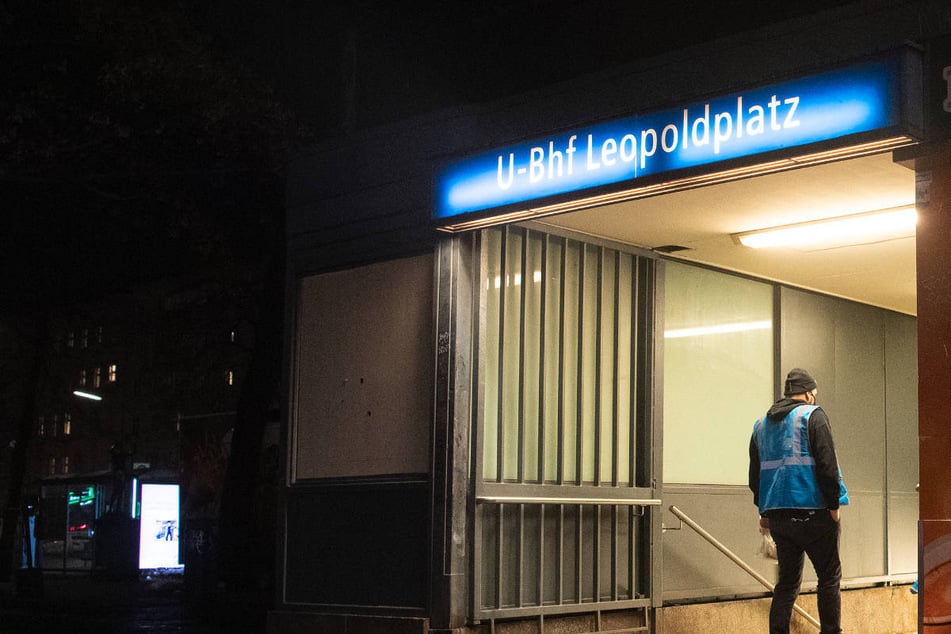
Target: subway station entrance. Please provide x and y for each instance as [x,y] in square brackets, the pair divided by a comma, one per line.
[568,360]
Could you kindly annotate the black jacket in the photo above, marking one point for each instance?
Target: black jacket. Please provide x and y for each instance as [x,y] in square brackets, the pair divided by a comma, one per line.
[820,446]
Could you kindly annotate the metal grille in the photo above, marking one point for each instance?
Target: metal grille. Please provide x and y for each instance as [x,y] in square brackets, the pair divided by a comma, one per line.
[563,417]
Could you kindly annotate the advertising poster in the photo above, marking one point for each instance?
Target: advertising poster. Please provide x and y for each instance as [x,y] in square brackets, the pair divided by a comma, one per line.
[159,528]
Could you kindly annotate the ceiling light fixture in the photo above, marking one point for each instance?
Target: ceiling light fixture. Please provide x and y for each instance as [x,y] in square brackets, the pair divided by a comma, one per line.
[831,233]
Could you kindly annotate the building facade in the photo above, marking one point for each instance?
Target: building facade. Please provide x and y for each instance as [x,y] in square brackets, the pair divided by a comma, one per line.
[527,347]
[130,384]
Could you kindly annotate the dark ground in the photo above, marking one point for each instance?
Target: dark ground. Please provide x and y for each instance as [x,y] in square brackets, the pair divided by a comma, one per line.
[80,603]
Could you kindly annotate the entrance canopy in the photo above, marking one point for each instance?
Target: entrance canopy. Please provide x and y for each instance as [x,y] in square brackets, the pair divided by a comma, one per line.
[692,180]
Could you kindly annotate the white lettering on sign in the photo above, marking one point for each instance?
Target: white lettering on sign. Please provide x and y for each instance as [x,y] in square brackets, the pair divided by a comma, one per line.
[947,78]
[704,129]
[607,154]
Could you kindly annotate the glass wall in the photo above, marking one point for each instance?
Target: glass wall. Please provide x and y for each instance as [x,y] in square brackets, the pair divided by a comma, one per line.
[718,372]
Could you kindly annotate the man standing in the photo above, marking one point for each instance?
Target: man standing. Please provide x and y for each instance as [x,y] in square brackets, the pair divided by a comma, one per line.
[796,483]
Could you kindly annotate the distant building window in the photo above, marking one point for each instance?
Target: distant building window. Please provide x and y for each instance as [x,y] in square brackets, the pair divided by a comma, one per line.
[233,336]
[52,465]
[85,340]
[70,339]
[230,377]
[67,424]
[82,377]
[99,334]
[54,425]
[65,464]
[97,377]
[41,427]
[113,370]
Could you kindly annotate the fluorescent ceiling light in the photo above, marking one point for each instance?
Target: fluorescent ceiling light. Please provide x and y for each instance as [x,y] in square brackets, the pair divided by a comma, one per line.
[830,233]
[718,329]
[89,395]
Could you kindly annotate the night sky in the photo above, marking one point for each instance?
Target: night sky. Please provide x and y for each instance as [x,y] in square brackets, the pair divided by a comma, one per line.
[142,139]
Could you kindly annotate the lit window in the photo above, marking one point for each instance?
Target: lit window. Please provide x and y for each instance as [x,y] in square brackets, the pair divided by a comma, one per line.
[41,427]
[112,373]
[65,464]
[85,340]
[67,424]
[82,377]
[52,465]
[96,377]
[233,336]
[230,377]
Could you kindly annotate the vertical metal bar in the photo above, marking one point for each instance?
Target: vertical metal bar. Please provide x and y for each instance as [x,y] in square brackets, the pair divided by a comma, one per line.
[634,406]
[579,386]
[562,293]
[579,555]
[541,555]
[561,554]
[520,558]
[598,353]
[632,536]
[616,544]
[500,426]
[615,387]
[522,326]
[499,557]
[652,423]
[596,569]
[542,336]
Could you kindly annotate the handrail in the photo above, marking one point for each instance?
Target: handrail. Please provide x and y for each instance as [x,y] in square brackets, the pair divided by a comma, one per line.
[501,499]
[739,562]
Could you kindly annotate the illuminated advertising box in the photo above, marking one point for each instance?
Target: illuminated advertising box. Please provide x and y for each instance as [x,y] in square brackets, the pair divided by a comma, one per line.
[617,155]
[159,526]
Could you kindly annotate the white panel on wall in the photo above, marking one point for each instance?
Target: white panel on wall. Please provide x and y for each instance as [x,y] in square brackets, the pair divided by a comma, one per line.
[364,371]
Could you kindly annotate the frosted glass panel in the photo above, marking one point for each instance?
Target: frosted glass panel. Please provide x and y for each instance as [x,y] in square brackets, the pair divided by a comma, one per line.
[718,372]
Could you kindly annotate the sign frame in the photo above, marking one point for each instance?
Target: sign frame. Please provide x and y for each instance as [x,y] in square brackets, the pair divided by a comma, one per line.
[877,102]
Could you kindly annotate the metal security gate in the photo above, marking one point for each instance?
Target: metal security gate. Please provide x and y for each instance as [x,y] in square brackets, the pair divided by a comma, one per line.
[564,451]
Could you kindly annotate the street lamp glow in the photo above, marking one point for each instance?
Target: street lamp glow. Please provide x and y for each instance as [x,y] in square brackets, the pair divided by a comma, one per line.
[89,395]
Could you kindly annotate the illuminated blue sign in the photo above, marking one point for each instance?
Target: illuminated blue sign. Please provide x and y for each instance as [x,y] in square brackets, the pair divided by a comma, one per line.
[834,104]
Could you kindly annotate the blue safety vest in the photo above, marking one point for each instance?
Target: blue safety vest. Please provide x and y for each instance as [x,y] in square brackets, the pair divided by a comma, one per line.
[786,467]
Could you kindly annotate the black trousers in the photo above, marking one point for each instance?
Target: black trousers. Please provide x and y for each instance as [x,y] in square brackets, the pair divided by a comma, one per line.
[815,534]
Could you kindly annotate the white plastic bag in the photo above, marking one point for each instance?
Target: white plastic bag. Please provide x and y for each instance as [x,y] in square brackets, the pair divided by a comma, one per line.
[767,547]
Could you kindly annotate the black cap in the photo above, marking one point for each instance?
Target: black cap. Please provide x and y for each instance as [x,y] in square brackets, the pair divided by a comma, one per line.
[798,381]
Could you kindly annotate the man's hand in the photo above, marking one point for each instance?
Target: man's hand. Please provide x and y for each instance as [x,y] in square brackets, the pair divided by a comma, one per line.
[835,514]
[764,523]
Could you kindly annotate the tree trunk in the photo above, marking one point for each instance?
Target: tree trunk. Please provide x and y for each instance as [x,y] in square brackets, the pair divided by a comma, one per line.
[246,541]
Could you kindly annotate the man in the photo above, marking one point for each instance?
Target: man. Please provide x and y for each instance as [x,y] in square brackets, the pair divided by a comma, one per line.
[796,483]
